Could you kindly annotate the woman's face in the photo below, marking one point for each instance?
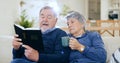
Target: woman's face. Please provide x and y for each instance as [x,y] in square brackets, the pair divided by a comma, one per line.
[74,26]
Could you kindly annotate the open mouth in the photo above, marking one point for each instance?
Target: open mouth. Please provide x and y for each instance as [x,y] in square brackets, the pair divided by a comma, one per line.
[45,24]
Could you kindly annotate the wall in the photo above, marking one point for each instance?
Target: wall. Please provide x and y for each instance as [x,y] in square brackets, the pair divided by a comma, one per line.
[105,6]
[8,14]
[77,5]
[5,50]
[82,7]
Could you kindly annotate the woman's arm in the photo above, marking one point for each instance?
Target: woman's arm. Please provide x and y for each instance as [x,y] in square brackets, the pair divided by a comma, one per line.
[97,51]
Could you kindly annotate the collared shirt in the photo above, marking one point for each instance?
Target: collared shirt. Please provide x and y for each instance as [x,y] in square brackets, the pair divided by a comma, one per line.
[49,30]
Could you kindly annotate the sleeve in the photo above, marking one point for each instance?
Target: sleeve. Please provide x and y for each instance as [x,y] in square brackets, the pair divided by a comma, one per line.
[18,53]
[61,54]
[97,51]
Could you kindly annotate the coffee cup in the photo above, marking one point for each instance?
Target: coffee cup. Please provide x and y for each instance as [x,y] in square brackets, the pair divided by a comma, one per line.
[65,41]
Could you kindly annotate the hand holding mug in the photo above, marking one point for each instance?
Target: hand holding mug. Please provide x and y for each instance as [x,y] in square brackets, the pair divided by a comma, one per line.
[75,45]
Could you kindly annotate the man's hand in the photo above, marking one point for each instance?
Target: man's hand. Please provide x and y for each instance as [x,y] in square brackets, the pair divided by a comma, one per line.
[16,42]
[75,45]
[31,53]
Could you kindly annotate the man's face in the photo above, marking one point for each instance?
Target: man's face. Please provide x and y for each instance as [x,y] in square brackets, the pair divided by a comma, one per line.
[74,25]
[47,19]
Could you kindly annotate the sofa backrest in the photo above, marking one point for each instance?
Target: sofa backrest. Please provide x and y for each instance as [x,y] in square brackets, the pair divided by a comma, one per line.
[111,44]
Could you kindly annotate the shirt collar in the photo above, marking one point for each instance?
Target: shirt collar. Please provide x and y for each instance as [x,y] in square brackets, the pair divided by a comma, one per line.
[80,36]
[49,30]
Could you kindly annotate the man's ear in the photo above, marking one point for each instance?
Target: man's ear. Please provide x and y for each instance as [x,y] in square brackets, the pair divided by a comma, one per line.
[56,19]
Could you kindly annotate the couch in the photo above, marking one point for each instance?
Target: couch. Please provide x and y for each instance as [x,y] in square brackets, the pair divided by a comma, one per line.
[111,44]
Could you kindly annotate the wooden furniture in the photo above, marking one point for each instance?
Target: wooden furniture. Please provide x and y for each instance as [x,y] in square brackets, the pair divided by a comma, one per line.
[103,26]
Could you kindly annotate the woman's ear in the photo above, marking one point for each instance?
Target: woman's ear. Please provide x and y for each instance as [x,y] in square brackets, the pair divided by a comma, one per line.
[83,26]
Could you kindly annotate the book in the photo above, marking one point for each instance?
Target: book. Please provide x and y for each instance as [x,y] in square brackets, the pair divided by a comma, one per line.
[30,36]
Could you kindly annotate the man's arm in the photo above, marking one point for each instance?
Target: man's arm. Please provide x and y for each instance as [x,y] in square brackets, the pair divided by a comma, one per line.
[61,54]
[58,57]
[18,53]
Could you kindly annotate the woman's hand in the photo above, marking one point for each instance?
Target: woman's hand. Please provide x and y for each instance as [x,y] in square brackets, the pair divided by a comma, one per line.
[75,45]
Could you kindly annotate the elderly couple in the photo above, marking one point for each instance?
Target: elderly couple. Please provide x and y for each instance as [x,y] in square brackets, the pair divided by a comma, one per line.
[84,46]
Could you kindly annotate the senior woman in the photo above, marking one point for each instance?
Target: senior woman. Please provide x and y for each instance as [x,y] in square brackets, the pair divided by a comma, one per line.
[86,46]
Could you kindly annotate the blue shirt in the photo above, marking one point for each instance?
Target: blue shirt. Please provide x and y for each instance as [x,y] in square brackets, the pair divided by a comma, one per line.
[94,51]
[53,50]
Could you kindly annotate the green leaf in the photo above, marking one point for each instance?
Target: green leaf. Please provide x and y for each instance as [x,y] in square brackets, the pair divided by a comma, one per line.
[24,21]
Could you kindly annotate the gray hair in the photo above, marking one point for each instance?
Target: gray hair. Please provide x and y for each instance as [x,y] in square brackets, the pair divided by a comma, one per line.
[48,7]
[76,15]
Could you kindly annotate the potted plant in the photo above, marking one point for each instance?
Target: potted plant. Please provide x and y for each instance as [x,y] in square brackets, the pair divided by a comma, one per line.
[23,21]
[65,10]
